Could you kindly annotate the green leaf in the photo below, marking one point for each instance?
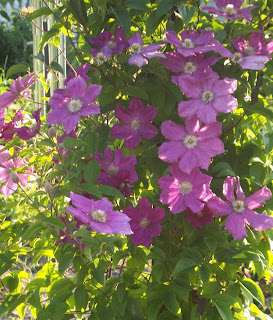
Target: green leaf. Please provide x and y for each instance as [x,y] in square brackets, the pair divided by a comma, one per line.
[169,299]
[54,222]
[4,15]
[110,191]
[20,67]
[135,92]
[61,288]
[34,299]
[224,310]
[121,291]
[78,9]
[137,4]
[152,22]
[44,11]
[204,273]
[81,297]
[186,12]
[91,171]
[260,109]
[164,6]
[48,35]
[98,273]
[70,142]
[184,264]
[7,303]
[55,66]
[124,18]
[33,229]
[253,289]
[93,189]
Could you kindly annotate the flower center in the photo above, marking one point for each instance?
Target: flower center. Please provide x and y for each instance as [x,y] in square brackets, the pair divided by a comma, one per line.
[144,223]
[74,105]
[190,67]
[136,48]
[99,215]
[237,57]
[200,214]
[135,124]
[249,51]
[207,96]
[111,44]
[229,10]
[100,57]
[185,187]
[112,169]
[238,206]
[190,142]
[188,44]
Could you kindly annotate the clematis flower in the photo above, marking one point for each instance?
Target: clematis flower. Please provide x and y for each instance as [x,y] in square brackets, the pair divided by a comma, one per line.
[145,222]
[101,55]
[137,122]
[116,45]
[192,43]
[99,215]
[18,90]
[115,162]
[26,133]
[63,153]
[122,182]
[230,9]
[9,129]
[68,106]
[193,146]
[81,71]
[9,176]
[181,190]
[254,54]
[140,53]
[201,218]
[208,97]
[240,210]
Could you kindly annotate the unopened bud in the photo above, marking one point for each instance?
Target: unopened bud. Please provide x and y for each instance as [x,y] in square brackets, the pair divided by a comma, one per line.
[48,187]
[51,132]
[14,177]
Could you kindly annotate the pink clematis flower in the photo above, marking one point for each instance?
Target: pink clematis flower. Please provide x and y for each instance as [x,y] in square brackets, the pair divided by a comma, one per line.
[192,43]
[240,210]
[9,129]
[193,146]
[145,222]
[201,218]
[26,133]
[137,122]
[81,71]
[181,190]
[101,55]
[68,106]
[99,215]
[140,53]
[230,9]
[254,54]
[208,97]
[9,176]
[18,90]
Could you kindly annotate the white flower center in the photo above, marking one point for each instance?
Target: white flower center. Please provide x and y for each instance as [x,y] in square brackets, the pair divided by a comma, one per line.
[74,105]
[144,223]
[112,169]
[249,51]
[136,48]
[190,142]
[185,187]
[99,215]
[190,67]
[237,57]
[135,124]
[238,206]
[100,57]
[188,44]
[111,44]
[207,96]
[229,10]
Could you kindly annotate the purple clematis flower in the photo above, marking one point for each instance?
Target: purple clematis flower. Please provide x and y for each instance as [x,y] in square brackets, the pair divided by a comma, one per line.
[101,55]
[26,133]
[137,122]
[8,129]
[68,106]
[192,43]
[201,218]
[18,90]
[192,146]
[140,53]
[230,9]
[81,71]
[122,182]
[240,210]
[99,215]
[181,190]
[145,222]
[208,97]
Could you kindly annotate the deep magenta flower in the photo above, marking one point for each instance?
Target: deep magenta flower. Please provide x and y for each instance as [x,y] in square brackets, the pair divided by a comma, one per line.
[81,71]
[8,172]
[140,53]
[192,146]
[137,122]
[201,218]
[192,43]
[18,90]
[26,133]
[230,9]
[9,129]
[145,222]
[116,44]
[254,54]
[240,210]
[181,190]
[68,106]
[63,153]
[208,97]
[99,215]
[115,162]
[122,182]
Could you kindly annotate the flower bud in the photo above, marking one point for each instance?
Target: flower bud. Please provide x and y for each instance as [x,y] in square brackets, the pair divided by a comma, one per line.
[14,177]
[51,133]
[48,187]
